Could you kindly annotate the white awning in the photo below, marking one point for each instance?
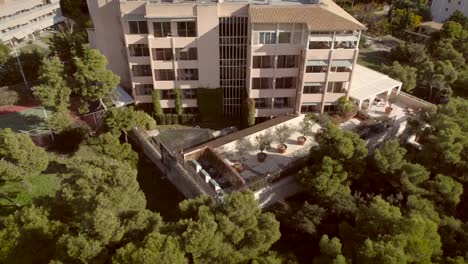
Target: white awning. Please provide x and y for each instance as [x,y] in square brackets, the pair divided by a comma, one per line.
[313,84]
[342,63]
[316,63]
[368,83]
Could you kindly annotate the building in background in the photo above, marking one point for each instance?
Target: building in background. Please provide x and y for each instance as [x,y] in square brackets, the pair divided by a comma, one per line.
[290,56]
[21,18]
[443,9]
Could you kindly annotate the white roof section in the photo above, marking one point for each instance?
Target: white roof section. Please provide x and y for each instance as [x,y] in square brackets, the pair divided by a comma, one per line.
[122,98]
[368,83]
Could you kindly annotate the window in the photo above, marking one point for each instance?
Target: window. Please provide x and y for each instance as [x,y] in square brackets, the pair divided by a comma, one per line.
[267,38]
[138,50]
[138,27]
[282,102]
[162,29]
[262,103]
[446,9]
[297,34]
[141,70]
[186,54]
[260,62]
[143,89]
[330,108]
[312,108]
[310,69]
[345,45]
[189,93]
[164,75]
[162,54]
[287,61]
[319,45]
[316,88]
[186,29]
[285,83]
[262,83]
[187,74]
[284,37]
[167,94]
[336,87]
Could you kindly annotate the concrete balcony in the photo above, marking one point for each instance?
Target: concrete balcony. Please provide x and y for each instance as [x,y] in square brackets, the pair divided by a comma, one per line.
[344,54]
[184,42]
[263,50]
[318,54]
[288,49]
[269,72]
[333,97]
[339,76]
[311,98]
[159,42]
[185,103]
[186,84]
[347,37]
[139,60]
[286,72]
[261,93]
[28,15]
[186,64]
[284,93]
[162,64]
[136,39]
[164,85]
[315,77]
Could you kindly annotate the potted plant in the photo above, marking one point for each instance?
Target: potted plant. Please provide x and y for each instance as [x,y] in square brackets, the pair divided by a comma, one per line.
[391,101]
[243,146]
[282,134]
[346,109]
[263,142]
[304,129]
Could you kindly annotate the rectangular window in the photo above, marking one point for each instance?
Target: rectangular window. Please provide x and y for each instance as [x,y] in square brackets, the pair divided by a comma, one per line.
[262,103]
[186,54]
[189,93]
[284,37]
[345,44]
[141,70]
[330,108]
[287,61]
[267,38]
[167,94]
[285,83]
[315,108]
[162,54]
[262,62]
[186,29]
[138,27]
[164,75]
[282,102]
[138,50]
[187,74]
[310,69]
[162,29]
[262,83]
[320,45]
[144,89]
[313,88]
[336,87]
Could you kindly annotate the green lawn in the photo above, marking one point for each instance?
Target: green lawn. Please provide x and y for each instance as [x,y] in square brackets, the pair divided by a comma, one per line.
[28,121]
[373,59]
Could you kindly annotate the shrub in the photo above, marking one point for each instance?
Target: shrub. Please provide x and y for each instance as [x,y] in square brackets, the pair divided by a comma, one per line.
[8,97]
[248,112]
[178,101]
[175,119]
[282,133]
[161,119]
[210,103]
[157,109]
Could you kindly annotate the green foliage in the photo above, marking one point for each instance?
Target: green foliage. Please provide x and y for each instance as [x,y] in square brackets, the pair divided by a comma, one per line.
[8,97]
[178,101]
[248,112]
[458,17]
[157,109]
[4,53]
[109,145]
[67,46]
[263,141]
[243,146]
[30,63]
[410,53]
[330,251]
[59,121]
[53,91]
[445,191]
[125,118]
[309,217]
[282,133]
[93,80]
[406,74]
[210,103]
[389,158]
[344,106]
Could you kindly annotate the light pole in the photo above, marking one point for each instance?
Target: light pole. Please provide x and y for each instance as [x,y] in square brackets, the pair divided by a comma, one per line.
[19,64]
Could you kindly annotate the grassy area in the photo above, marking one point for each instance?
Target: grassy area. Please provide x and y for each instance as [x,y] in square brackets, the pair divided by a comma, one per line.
[28,121]
[373,59]
[32,47]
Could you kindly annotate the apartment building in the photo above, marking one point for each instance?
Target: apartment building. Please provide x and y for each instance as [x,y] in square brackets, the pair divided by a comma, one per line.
[21,18]
[443,9]
[290,56]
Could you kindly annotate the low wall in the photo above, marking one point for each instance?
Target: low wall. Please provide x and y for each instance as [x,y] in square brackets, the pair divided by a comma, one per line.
[412,101]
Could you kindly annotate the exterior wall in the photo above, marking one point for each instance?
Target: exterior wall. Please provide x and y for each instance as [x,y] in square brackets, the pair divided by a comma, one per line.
[19,19]
[108,36]
[443,9]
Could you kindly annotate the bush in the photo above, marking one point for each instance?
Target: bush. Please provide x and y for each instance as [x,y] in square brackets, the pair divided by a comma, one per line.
[248,112]
[168,119]
[175,119]
[210,103]
[8,97]
[161,119]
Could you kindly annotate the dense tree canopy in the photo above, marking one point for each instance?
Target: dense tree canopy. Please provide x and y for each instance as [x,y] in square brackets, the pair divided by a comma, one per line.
[53,92]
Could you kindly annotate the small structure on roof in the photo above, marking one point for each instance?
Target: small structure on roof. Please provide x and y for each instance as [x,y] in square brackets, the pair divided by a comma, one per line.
[121,98]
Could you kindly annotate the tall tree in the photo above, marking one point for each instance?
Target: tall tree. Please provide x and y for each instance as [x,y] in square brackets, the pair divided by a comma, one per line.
[109,145]
[123,119]
[178,101]
[156,97]
[4,53]
[93,80]
[53,92]
[406,74]
[330,251]
[389,158]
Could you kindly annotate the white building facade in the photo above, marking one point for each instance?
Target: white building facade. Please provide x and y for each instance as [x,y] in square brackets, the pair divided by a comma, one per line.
[443,9]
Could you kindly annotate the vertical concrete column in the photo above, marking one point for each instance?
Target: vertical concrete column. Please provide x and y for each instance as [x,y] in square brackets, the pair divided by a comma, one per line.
[208,45]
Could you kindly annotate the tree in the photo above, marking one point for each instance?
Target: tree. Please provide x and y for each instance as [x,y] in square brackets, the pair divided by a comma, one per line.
[93,80]
[243,145]
[178,101]
[411,178]
[109,145]
[4,53]
[30,63]
[282,133]
[309,217]
[406,74]
[389,158]
[263,141]
[460,18]
[248,112]
[443,50]
[410,53]
[67,46]
[53,91]
[330,251]
[156,97]
[445,191]
[123,119]
[60,121]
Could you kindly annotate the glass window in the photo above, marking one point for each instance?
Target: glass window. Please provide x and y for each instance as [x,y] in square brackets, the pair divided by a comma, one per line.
[186,29]
[310,69]
[310,108]
[345,44]
[187,74]
[285,83]
[267,38]
[164,75]
[262,103]
[167,94]
[284,37]
[330,108]
[282,102]
[144,89]
[319,45]
[138,50]
[141,70]
[313,89]
[162,54]
[138,27]
[186,54]
[336,87]
[162,29]
[262,83]
[260,62]
[189,93]
[287,61]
